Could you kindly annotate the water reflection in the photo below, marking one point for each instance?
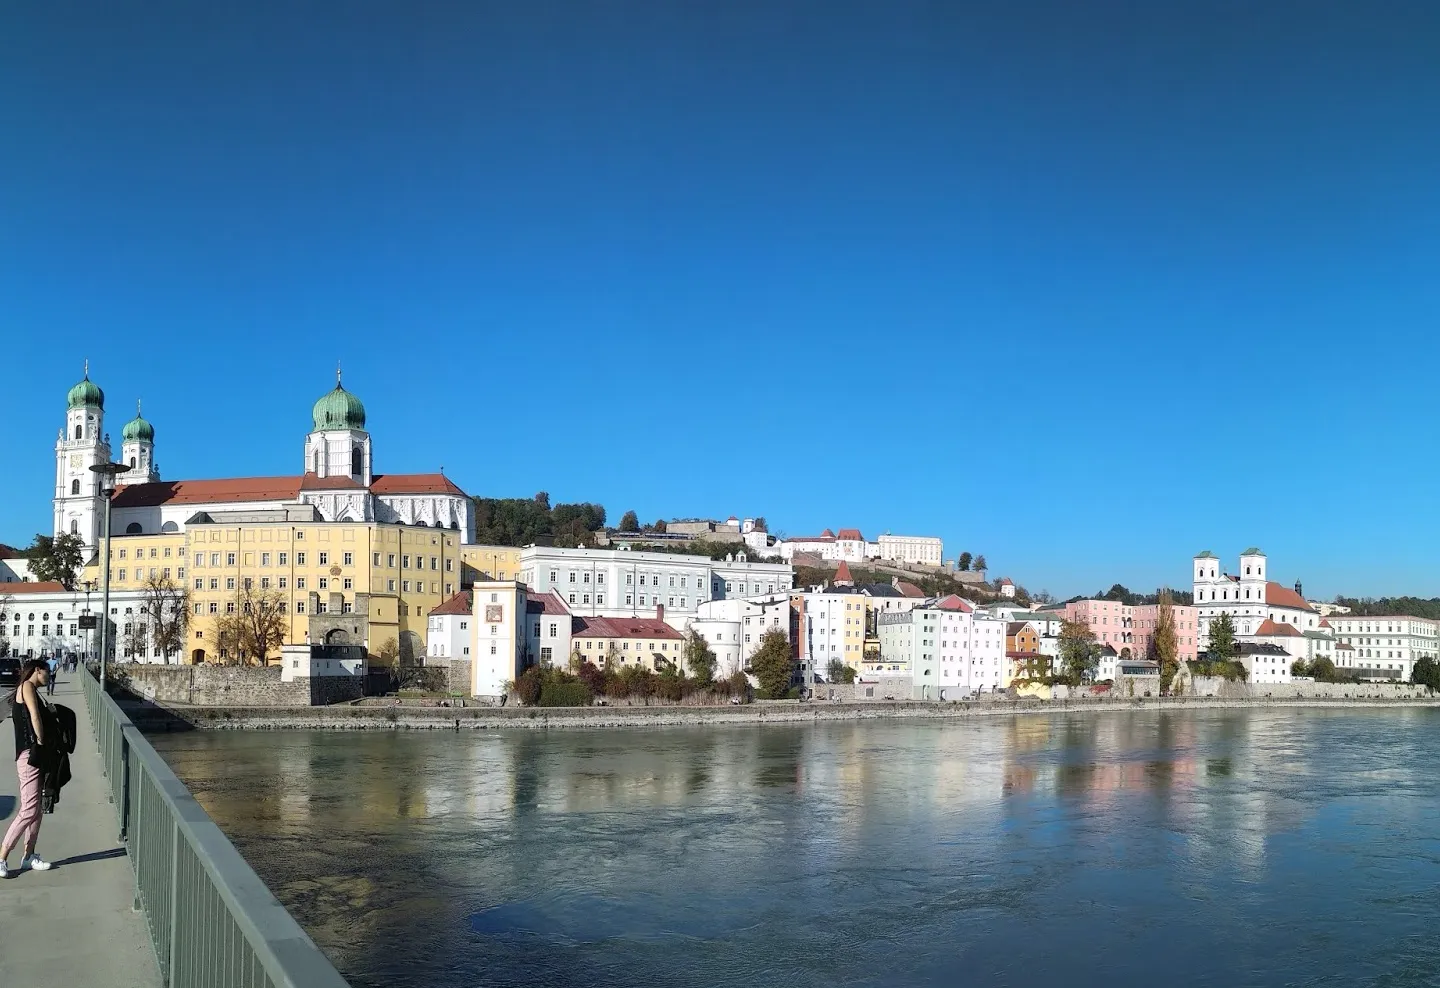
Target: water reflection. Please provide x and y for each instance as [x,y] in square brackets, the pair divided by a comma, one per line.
[885,854]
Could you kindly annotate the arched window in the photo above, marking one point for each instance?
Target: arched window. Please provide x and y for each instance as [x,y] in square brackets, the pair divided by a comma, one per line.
[169,526]
[74,487]
[357,462]
[132,463]
[74,527]
[79,432]
[134,528]
[315,463]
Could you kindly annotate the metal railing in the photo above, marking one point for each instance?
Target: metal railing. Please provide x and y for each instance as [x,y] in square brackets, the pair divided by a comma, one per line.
[212,922]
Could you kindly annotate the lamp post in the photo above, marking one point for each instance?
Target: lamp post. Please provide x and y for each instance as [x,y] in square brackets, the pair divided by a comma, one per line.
[107,472]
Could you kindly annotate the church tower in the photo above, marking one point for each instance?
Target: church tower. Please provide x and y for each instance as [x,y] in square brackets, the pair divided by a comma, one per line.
[79,503]
[137,451]
[338,446]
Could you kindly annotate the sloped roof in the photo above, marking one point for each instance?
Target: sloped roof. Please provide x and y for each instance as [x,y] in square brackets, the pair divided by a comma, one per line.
[1285,597]
[1005,581]
[49,586]
[1015,627]
[1207,554]
[461,603]
[1269,628]
[241,489]
[842,573]
[546,603]
[1324,623]
[1252,551]
[955,602]
[9,552]
[603,627]
[909,589]
[850,534]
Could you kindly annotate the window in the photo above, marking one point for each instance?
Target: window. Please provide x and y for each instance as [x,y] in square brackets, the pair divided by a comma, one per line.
[600,599]
[348,559]
[122,576]
[629,579]
[324,558]
[628,600]
[299,607]
[229,559]
[264,582]
[299,583]
[299,535]
[284,557]
[572,598]
[214,583]
[324,583]
[345,607]
[229,583]
[199,583]
[404,562]
[390,560]
[390,586]
[545,655]
[264,559]
[75,485]
[404,586]
[347,584]
[572,576]
[434,564]
[299,559]
[230,607]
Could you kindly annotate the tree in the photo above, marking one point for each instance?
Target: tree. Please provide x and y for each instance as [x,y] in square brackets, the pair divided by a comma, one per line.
[136,641]
[389,652]
[1426,672]
[1044,597]
[980,565]
[1323,670]
[629,522]
[699,659]
[1077,650]
[167,603]
[963,563]
[772,665]
[1299,668]
[1164,646]
[659,526]
[1222,638]
[839,672]
[57,560]
[543,499]
[761,525]
[253,624]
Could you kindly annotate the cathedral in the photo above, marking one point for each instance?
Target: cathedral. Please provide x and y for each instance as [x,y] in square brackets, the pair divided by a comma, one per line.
[338,482]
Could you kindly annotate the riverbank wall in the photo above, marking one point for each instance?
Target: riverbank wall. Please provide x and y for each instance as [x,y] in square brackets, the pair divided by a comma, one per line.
[348,717]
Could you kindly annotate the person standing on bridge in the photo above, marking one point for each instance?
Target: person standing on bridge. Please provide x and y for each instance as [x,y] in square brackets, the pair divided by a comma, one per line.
[29,734]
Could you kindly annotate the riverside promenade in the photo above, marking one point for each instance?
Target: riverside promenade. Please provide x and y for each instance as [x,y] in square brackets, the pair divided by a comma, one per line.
[74,924]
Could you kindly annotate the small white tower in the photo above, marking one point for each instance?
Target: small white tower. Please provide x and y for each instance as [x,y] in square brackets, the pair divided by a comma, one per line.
[1252,576]
[78,500]
[137,451]
[1207,577]
[339,446]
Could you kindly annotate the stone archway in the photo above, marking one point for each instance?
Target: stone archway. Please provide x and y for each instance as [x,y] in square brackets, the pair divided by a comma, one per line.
[337,636]
[197,656]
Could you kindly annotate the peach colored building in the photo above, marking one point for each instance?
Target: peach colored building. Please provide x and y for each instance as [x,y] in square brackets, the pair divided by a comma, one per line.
[1123,626]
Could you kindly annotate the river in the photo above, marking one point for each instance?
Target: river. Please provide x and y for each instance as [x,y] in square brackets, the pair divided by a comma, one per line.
[1206,847]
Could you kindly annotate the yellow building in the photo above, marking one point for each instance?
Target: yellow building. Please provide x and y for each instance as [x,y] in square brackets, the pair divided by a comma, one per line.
[489,562]
[337,538]
[648,643]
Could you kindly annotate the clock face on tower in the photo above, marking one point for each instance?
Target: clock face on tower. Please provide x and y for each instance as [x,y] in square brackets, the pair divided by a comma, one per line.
[77,462]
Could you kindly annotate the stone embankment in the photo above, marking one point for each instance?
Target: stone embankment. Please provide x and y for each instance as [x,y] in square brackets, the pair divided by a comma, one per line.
[354,717]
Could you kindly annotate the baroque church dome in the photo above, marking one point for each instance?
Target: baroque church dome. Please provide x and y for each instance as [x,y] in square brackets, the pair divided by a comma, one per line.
[137,429]
[86,394]
[338,409]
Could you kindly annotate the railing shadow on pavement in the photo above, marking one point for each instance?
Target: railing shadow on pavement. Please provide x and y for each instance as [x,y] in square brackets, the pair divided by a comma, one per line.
[212,921]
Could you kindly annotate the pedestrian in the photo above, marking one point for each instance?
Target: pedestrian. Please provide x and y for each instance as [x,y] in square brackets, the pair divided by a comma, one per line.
[53,665]
[25,711]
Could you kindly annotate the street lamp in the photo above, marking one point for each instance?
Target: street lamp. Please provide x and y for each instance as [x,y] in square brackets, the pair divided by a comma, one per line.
[108,473]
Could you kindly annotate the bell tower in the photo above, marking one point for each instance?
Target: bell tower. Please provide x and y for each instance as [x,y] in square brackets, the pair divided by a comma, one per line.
[82,444]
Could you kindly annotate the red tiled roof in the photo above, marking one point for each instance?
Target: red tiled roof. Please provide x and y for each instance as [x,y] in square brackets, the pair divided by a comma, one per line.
[842,573]
[955,602]
[851,535]
[24,588]
[1324,623]
[1005,582]
[603,627]
[241,489]
[1285,597]
[461,603]
[827,537]
[1269,628]
[1342,647]
[909,589]
[546,603]
[827,534]
[414,483]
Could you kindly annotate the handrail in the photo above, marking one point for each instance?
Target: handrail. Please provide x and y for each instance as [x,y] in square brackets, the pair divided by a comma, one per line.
[212,921]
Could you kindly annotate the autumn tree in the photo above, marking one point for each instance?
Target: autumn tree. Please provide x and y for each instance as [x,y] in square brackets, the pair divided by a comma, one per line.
[1078,655]
[389,651]
[58,559]
[167,604]
[773,665]
[136,640]
[1164,647]
[700,660]
[629,522]
[253,625]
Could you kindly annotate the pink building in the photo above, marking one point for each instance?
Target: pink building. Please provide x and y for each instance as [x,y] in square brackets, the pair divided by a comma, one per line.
[1125,627]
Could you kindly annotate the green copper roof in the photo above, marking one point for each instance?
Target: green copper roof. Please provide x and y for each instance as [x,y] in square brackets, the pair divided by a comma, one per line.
[1207,554]
[86,394]
[137,429]
[1252,551]
[338,409]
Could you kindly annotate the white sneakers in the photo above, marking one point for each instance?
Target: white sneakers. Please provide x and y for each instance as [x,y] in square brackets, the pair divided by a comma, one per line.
[32,861]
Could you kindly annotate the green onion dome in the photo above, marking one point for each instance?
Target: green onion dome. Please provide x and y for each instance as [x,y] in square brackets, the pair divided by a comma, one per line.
[87,394]
[338,409]
[137,429]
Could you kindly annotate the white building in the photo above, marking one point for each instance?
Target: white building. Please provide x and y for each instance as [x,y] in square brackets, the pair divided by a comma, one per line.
[1265,662]
[733,628]
[925,550]
[1385,647]
[338,482]
[848,545]
[511,630]
[1007,588]
[44,619]
[447,629]
[831,628]
[952,649]
[626,583]
[1249,597]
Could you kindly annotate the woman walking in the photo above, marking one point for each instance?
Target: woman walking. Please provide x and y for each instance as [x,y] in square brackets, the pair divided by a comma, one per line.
[25,710]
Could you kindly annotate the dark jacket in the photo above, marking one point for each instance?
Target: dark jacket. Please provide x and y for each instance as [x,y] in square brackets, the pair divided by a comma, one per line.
[53,757]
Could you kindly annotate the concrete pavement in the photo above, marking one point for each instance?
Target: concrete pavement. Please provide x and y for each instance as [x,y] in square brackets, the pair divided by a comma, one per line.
[74,924]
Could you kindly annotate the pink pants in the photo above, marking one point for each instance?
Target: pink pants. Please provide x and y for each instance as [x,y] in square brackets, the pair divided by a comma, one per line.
[27,822]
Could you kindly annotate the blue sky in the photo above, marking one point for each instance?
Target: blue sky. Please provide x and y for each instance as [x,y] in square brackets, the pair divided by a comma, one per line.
[1083,287]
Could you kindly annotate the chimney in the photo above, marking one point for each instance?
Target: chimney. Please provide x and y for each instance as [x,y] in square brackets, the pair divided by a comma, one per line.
[660,612]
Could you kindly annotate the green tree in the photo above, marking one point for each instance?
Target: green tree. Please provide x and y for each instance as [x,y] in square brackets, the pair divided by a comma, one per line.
[1323,670]
[1164,646]
[980,565]
[772,665]
[963,563]
[1222,638]
[761,525]
[1299,668]
[1078,655]
[629,522]
[659,526]
[1426,673]
[543,500]
[699,658]
[57,560]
